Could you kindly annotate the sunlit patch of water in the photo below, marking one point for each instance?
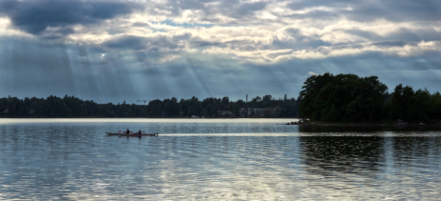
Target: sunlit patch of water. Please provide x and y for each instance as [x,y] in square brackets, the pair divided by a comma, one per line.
[215,161]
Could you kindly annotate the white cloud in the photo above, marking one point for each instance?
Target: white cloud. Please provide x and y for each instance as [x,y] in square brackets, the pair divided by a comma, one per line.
[255,33]
[255,42]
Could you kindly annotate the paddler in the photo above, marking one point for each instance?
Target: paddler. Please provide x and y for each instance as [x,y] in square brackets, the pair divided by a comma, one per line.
[127,132]
[139,132]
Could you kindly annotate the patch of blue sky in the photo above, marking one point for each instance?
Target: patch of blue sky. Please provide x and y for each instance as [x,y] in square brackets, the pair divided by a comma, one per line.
[158,30]
[185,25]
[191,25]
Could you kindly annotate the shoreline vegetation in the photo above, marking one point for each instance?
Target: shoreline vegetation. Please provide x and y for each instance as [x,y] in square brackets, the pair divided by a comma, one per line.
[347,99]
[328,100]
[73,107]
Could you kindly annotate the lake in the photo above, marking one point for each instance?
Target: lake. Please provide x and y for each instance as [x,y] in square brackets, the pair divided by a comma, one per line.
[216,159]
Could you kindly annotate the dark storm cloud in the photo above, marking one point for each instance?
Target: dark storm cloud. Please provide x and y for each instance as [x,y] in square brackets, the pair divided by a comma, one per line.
[405,10]
[34,16]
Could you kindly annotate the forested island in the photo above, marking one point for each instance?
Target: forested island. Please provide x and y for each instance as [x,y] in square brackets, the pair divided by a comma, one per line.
[327,98]
[347,98]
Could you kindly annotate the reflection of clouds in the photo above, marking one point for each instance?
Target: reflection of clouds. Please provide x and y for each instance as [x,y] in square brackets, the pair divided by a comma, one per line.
[75,160]
[260,169]
[227,170]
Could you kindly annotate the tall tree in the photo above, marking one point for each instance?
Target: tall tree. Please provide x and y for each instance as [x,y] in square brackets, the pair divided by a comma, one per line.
[344,97]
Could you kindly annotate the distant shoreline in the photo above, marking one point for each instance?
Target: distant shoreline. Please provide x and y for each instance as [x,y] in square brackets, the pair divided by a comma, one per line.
[361,125]
[148,118]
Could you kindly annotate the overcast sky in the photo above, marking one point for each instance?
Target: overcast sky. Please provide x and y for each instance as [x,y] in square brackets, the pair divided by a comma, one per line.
[111,51]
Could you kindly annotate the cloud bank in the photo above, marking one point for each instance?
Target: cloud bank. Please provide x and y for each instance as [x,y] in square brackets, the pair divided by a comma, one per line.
[142,49]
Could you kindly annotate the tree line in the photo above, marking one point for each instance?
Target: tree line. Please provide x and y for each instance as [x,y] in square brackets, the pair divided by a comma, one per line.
[324,98]
[349,98]
[70,106]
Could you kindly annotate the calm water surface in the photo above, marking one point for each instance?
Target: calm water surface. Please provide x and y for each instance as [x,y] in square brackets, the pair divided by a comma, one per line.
[215,159]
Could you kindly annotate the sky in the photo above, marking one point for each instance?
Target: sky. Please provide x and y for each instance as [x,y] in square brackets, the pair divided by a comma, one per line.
[122,50]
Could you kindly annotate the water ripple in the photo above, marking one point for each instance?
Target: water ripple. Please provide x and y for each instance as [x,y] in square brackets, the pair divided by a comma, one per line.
[215,161]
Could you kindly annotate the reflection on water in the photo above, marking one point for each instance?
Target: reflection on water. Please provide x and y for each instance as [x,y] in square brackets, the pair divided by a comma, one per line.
[367,129]
[215,160]
[334,156]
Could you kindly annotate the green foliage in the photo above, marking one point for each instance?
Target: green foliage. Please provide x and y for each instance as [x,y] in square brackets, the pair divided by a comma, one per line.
[411,106]
[435,106]
[344,97]
[327,98]
[70,106]
[333,115]
[155,108]
[349,98]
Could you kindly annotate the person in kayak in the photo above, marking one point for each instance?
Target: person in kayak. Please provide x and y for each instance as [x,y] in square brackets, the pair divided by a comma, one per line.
[127,132]
[139,132]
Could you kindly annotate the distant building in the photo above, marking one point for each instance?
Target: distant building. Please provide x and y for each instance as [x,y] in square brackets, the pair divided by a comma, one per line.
[255,111]
[251,112]
[224,112]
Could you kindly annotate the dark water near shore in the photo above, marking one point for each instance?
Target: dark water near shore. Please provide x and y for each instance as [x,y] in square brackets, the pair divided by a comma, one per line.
[215,159]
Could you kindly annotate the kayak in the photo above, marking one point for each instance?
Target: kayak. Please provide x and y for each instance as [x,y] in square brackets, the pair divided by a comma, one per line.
[132,134]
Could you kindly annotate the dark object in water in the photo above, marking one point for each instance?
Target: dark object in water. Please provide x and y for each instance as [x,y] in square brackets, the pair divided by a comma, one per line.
[132,134]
